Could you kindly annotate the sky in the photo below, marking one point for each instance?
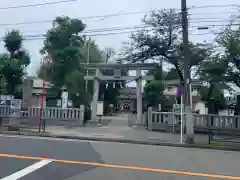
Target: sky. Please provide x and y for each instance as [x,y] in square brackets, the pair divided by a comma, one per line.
[199,16]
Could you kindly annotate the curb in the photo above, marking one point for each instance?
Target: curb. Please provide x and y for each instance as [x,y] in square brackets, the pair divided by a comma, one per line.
[128,141]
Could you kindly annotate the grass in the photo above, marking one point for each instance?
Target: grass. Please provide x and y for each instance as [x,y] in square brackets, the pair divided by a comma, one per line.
[213,143]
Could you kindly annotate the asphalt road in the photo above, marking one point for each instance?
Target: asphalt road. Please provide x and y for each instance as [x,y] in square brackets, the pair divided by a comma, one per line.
[28,158]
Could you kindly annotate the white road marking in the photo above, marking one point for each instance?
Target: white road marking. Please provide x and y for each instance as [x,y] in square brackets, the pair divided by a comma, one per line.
[27,170]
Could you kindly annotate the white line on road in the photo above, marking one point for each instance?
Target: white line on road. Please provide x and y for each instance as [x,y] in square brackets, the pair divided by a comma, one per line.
[27,170]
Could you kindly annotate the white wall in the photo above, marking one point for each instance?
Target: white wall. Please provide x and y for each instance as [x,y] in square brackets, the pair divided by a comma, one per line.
[201,107]
[171,90]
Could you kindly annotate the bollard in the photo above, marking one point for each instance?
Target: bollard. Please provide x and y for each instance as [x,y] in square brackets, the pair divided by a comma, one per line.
[81,118]
[210,135]
[149,119]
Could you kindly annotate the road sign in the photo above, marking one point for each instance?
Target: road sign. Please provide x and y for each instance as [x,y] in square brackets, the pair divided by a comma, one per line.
[180,91]
[177,108]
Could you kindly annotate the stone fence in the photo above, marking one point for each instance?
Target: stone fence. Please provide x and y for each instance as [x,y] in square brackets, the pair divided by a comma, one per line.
[51,116]
[170,122]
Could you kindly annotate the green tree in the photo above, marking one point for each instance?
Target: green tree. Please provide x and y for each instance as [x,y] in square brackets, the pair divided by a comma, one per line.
[212,72]
[63,43]
[154,89]
[161,38]
[68,50]
[65,47]
[154,92]
[229,40]
[3,82]
[14,62]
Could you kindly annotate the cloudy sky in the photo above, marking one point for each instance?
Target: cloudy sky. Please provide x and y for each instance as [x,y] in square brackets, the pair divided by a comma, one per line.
[213,17]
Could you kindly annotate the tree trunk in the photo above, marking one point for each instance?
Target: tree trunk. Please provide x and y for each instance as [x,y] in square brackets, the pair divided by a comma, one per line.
[211,101]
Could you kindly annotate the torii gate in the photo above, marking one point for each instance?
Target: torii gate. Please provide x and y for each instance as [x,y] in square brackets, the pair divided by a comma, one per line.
[118,77]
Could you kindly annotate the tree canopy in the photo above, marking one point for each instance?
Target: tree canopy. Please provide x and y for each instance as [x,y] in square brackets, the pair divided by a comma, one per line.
[13,63]
[161,40]
[68,49]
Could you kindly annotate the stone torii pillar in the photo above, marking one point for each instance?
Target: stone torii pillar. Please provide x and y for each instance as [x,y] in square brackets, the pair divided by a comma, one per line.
[139,95]
[95,95]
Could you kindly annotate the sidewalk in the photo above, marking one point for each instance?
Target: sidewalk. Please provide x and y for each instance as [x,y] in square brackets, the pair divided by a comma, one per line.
[117,130]
[120,132]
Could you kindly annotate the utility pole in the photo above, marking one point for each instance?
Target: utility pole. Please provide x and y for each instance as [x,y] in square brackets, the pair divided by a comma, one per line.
[189,117]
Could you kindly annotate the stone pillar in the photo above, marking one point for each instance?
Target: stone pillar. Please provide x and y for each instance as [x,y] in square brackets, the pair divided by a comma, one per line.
[139,96]
[95,95]
[149,119]
[81,120]
[27,93]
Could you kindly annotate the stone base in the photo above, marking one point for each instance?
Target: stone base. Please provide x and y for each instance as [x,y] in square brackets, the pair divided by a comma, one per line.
[13,128]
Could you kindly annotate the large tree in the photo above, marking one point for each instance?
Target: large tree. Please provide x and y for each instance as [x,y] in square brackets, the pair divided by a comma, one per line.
[229,40]
[14,63]
[68,50]
[63,44]
[161,40]
[212,72]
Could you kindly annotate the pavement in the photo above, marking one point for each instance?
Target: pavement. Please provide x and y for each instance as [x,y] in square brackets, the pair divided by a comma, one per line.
[117,130]
[47,158]
[39,158]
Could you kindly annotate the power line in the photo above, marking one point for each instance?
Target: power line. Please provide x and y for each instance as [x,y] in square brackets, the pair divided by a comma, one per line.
[111,31]
[139,27]
[50,21]
[98,16]
[34,5]
[65,1]
[212,13]
[41,36]
[215,6]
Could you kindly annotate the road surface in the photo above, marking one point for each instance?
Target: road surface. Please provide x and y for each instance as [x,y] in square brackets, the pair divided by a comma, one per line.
[29,158]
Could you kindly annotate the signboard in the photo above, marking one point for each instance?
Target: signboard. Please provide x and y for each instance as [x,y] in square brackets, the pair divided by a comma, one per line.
[17,103]
[177,108]
[99,108]
[6,100]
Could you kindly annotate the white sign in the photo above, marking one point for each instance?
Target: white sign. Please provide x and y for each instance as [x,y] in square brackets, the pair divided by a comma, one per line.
[64,99]
[17,103]
[177,108]
[99,108]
